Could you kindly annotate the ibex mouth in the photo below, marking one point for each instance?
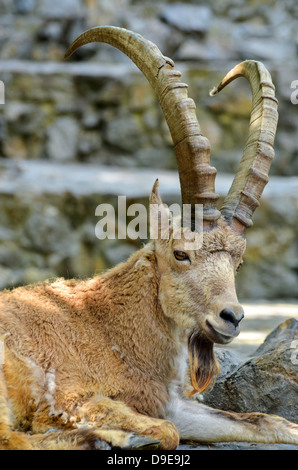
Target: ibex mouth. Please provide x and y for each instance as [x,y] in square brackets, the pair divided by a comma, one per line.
[220,336]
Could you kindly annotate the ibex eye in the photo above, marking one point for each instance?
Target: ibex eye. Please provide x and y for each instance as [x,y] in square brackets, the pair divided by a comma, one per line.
[181,255]
[239,266]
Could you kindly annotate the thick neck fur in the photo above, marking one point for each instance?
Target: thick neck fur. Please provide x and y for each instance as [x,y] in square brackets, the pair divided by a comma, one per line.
[134,289]
[126,299]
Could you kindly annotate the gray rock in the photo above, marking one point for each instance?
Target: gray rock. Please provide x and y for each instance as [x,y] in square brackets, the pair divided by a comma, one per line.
[115,253]
[266,49]
[267,279]
[124,133]
[60,10]
[282,336]
[188,17]
[62,139]
[155,30]
[33,275]
[24,6]
[10,255]
[46,230]
[229,361]
[6,234]
[191,49]
[51,30]
[9,277]
[16,110]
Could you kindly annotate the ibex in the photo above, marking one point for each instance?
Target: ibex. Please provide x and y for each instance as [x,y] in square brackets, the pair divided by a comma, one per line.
[104,361]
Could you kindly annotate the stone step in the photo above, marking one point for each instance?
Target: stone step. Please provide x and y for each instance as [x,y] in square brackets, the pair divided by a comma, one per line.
[41,176]
[87,69]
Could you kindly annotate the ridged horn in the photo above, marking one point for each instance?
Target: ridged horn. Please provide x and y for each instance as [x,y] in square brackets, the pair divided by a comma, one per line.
[197,177]
[252,176]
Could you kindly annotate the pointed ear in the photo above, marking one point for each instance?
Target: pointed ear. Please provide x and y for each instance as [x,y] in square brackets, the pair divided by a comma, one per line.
[159,215]
[154,196]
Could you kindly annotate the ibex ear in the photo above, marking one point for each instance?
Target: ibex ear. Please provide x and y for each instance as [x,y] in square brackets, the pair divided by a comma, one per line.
[154,196]
[159,215]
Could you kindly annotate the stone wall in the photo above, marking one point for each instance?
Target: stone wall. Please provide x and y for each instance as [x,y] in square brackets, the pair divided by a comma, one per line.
[77,109]
[97,110]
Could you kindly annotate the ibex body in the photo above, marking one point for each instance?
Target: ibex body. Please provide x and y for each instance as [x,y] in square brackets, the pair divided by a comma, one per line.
[104,360]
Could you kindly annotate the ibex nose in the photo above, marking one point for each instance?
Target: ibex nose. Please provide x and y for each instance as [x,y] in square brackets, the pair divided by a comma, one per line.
[231,317]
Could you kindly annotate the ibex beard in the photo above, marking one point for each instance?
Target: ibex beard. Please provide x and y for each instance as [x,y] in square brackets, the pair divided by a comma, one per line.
[103,362]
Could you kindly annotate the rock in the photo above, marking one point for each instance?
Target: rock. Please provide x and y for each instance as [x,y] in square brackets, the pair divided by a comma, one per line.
[188,18]
[89,143]
[267,382]
[124,133]
[46,230]
[60,10]
[50,31]
[62,139]
[16,110]
[155,30]
[6,234]
[10,255]
[263,278]
[266,49]
[33,275]
[9,277]
[193,50]
[115,253]
[24,6]
[229,361]
[280,337]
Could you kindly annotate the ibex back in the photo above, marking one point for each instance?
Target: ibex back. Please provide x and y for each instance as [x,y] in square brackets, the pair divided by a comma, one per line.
[104,361]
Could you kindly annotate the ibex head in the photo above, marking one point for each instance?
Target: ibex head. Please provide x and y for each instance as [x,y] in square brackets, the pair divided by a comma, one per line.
[197,287]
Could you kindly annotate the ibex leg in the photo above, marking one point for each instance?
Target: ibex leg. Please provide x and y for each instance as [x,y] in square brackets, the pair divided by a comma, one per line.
[105,413]
[200,423]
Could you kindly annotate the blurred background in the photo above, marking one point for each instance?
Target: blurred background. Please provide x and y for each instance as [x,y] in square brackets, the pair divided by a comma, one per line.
[77,133]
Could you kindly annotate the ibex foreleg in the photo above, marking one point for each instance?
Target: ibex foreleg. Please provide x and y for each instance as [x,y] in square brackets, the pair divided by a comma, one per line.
[200,423]
[105,413]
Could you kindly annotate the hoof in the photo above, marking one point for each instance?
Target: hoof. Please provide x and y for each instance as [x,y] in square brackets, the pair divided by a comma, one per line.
[137,442]
[101,445]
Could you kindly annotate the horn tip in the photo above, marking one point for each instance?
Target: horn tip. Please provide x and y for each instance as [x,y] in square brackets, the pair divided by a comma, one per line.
[214,91]
[69,51]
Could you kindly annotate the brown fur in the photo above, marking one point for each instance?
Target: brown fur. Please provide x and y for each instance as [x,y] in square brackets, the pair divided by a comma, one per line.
[98,360]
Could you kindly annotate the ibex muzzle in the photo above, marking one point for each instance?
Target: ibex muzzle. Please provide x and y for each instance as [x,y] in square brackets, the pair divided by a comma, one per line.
[225,327]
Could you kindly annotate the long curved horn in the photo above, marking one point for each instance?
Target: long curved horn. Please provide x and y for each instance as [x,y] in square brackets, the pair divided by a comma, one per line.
[192,150]
[252,176]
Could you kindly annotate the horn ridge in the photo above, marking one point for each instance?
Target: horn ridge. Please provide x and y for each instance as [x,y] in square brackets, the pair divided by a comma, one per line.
[252,175]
